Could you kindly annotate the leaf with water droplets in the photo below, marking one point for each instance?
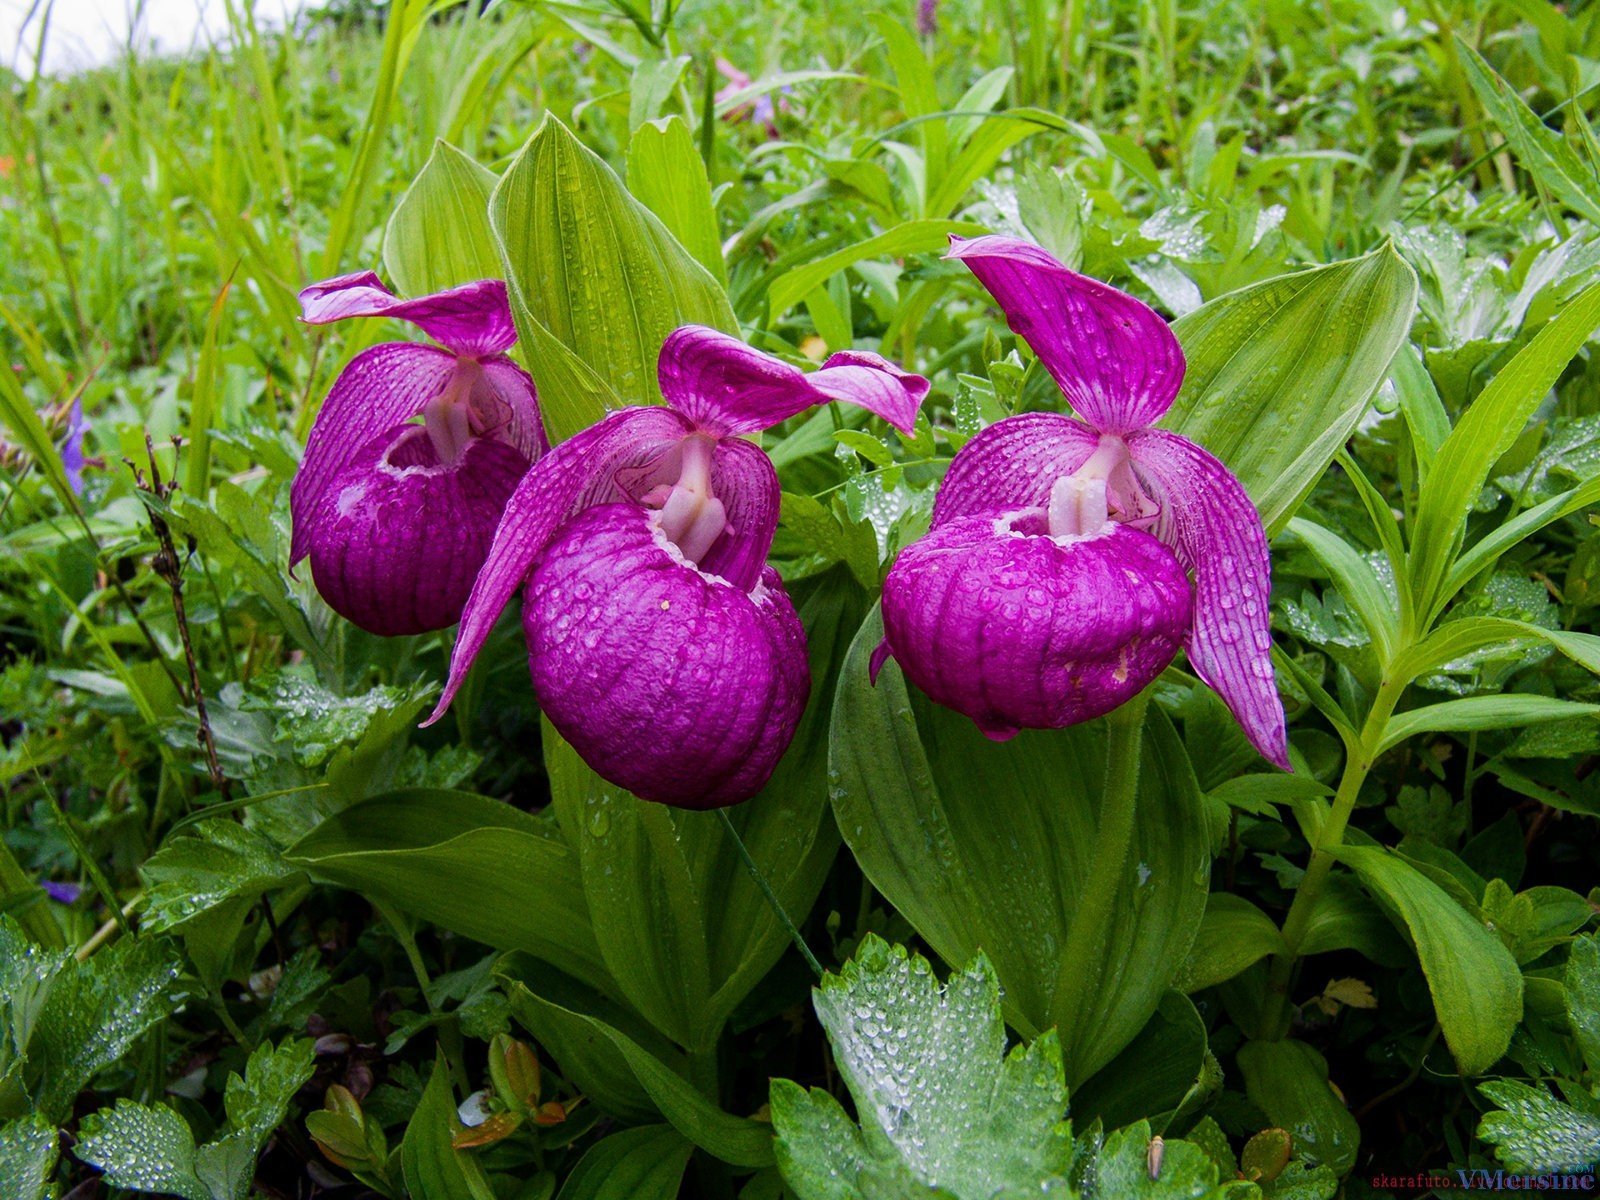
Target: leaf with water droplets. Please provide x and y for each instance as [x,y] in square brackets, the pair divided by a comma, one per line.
[1532,1131]
[27,1157]
[1583,997]
[144,1148]
[942,1105]
[193,874]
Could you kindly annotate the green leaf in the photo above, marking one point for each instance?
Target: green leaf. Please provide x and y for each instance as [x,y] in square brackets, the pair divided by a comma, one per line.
[1583,997]
[28,1149]
[1456,638]
[192,874]
[1280,372]
[916,790]
[433,1166]
[144,1148]
[1541,150]
[429,852]
[149,1148]
[1288,1081]
[439,235]
[1123,1169]
[1233,934]
[1158,1072]
[1357,582]
[929,236]
[94,1013]
[941,1102]
[597,282]
[1486,431]
[667,175]
[635,1164]
[612,1066]
[1535,1133]
[1481,712]
[26,427]
[1476,985]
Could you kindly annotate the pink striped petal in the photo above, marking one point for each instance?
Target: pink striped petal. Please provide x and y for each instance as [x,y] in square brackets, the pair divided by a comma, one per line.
[1012,465]
[742,477]
[472,320]
[1116,361]
[380,388]
[727,387]
[514,387]
[579,473]
[1212,526]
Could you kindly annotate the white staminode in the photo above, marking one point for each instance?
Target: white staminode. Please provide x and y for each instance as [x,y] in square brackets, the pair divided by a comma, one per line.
[691,517]
[1077,506]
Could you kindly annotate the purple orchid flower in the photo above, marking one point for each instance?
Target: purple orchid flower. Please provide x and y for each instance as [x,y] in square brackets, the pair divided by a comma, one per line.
[1054,582]
[397,516]
[662,646]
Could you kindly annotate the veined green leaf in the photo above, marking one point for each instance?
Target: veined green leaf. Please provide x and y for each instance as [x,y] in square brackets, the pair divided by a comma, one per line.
[1456,638]
[28,1149]
[1280,371]
[433,1166]
[1357,582]
[1540,149]
[439,235]
[1476,985]
[633,1164]
[597,282]
[1233,935]
[1288,1081]
[1523,525]
[1481,712]
[1485,432]
[667,175]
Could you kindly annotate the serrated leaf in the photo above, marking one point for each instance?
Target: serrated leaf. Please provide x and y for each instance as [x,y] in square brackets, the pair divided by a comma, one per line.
[144,1148]
[28,1149]
[222,860]
[1534,1132]
[1129,1167]
[939,1099]
[255,1104]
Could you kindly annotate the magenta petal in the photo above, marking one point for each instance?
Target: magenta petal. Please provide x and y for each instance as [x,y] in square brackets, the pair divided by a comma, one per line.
[1210,522]
[472,320]
[668,681]
[514,387]
[1114,358]
[1012,465]
[992,617]
[726,387]
[398,538]
[580,472]
[380,388]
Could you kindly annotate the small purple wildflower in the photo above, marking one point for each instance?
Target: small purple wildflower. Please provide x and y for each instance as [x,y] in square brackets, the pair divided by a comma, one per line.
[928,18]
[397,517]
[61,893]
[1054,583]
[72,459]
[661,644]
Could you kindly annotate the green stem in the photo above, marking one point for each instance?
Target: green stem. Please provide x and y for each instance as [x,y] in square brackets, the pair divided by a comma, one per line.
[1113,841]
[771,896]
[1278,1014]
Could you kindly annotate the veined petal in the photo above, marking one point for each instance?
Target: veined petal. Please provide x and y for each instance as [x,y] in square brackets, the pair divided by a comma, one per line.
[744,480]
[1012,465]
[727,387]
[582,471]
[471,320]
[1116,361]
[514,387]
[673,683]
[398,537]
[1212,526]
[380,387]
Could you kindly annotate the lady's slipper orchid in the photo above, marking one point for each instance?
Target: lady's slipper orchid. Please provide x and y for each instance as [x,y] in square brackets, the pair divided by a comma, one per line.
[661,644]
[398,516]
[1054,582]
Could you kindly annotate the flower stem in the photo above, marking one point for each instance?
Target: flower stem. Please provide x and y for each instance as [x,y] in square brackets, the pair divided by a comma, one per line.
[1277,1014]
[771,897]
[1113,840]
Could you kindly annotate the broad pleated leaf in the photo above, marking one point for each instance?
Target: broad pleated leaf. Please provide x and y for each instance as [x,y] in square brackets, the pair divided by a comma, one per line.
[439,235]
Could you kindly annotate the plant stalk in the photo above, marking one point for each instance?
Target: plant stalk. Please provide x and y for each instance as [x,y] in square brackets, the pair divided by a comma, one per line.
[771,896]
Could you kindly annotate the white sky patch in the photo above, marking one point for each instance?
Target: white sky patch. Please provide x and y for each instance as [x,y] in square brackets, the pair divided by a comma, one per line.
[90,33]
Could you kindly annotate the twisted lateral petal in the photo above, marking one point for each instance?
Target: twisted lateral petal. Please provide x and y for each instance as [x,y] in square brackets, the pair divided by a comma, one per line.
[471,320]
[1114,358]
[400,537]
[1012,465]
[1210,522]
[727,387]
[582,471]
[992,617]
[380,388]
[514,388]
[670,682]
